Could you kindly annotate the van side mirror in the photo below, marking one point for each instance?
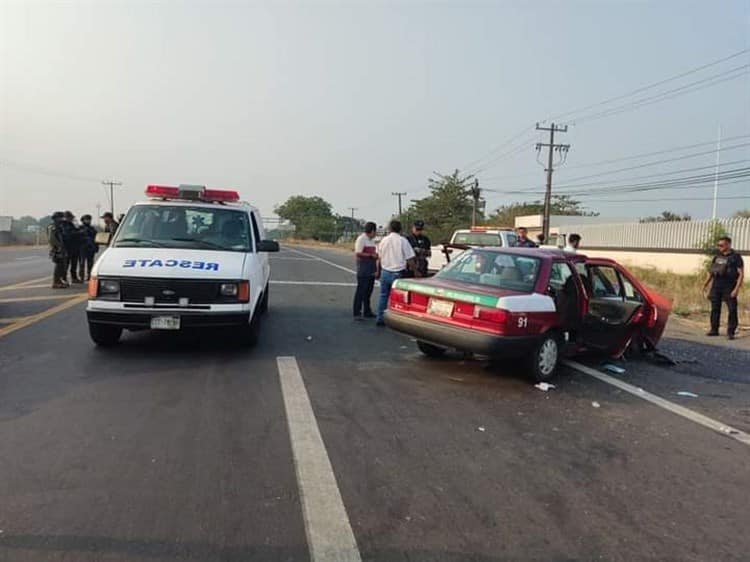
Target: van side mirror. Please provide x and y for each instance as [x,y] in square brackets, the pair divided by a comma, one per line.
[268,246]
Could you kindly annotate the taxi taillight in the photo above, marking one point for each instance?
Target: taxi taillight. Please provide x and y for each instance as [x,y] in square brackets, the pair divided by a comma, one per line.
[93,287]
[399,296]
[243,291]
[493,315]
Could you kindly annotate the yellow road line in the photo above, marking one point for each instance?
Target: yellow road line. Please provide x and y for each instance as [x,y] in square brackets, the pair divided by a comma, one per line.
[41,298]
[12,320]
[23,284]
[29,320]
[12,288]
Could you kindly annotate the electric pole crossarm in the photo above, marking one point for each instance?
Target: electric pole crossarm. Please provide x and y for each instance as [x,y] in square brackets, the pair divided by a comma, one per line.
[399,194]
[551,148]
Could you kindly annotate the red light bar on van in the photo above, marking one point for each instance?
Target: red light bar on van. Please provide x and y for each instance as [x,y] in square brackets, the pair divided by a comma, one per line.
[163,191]
[192,192]
[220,195]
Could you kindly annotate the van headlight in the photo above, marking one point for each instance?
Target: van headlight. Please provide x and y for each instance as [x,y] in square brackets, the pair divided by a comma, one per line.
[228,289]
[109,289]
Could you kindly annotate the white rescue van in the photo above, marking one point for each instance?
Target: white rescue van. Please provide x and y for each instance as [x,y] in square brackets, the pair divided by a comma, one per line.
[188,257]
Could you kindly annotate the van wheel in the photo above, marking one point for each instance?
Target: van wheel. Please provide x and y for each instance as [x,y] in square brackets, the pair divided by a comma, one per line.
[430,350]
[544,358]
[104,335]
[251,332]
[263,307]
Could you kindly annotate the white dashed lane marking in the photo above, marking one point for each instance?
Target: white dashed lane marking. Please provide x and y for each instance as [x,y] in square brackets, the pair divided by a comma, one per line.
[329,534]
[686,413]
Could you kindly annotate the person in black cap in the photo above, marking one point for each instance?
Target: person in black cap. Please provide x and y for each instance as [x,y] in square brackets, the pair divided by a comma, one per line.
[88,248]
[57,252]
[723,284]
[422,247]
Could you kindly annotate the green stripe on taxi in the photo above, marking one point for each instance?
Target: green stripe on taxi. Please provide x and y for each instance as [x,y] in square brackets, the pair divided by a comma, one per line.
[463,296]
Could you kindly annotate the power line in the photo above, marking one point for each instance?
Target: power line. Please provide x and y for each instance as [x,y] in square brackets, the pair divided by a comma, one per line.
[34,169]
[668,95]
[474,163]
[664,199]
[649,86]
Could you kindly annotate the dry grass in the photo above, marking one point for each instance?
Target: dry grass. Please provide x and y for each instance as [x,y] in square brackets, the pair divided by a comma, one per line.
[686,293]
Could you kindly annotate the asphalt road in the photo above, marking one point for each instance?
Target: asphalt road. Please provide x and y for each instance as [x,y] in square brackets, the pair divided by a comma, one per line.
[187,447]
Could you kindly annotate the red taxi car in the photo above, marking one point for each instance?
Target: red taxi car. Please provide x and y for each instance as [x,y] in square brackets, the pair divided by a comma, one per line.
[528,302]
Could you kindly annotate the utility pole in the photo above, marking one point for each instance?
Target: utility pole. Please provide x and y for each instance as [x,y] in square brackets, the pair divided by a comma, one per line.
[475,194]
[352,209]
[98,212]
[551,147]
[112,185]
[716,174]
[399,194]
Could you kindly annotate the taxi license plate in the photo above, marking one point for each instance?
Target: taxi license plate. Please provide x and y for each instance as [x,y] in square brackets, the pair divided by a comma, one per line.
[165,323]
[440,308]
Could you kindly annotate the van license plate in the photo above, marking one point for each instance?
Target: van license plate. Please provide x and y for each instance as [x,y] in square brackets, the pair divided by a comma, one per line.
[440,308]
[165,323]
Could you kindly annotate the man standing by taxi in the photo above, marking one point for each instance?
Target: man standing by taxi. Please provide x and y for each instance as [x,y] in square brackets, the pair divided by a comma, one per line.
[422,247]
[395,257]
[367,261]
[523,240]
[725,277]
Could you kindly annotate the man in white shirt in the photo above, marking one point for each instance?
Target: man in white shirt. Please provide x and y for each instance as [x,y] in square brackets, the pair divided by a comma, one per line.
[367,259]
[574,240]
[395,256]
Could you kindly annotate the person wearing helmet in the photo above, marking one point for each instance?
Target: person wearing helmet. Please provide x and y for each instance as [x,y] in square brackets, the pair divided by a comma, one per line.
[57,252]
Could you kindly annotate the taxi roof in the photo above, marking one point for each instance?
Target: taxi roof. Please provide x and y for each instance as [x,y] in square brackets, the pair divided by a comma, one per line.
[545,253]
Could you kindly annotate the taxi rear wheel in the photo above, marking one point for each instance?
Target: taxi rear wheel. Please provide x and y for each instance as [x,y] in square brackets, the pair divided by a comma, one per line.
[545,357]
[430,350]
[104,335]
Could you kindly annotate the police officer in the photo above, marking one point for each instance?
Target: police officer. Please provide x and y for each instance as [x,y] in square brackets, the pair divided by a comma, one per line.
[725,277]
[57,252]
[523,240]
[72,241]
[89,248]
[422,247]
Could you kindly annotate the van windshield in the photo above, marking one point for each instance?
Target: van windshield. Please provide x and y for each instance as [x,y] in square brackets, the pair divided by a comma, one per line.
[181,226]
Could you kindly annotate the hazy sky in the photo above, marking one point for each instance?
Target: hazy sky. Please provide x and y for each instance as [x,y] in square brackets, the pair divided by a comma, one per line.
[354,100]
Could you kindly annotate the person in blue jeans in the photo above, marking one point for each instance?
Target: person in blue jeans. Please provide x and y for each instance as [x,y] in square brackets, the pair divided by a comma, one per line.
[395,256]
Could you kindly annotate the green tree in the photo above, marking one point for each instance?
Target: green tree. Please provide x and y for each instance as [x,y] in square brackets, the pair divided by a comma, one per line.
[505,215]
[667,216]
[743,214]
[448,207]
[708,246]
[311,216]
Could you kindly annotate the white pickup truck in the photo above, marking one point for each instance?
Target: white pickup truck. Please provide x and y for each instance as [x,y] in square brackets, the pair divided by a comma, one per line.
[473,237]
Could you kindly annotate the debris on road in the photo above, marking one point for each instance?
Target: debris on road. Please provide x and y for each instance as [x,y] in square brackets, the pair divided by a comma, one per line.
[544,386]
[686,393]
[309,338]
[481,428]
[456,379]
[596,404]
[728,430]
[613,368]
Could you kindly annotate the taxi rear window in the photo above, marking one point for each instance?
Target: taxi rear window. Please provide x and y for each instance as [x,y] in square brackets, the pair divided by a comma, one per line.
[493,269]
[185,227]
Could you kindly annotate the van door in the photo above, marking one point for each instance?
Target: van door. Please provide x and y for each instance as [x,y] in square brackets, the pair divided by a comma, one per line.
[260,270]
[610,322]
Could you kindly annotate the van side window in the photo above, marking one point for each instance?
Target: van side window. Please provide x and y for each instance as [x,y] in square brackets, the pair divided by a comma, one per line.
[256,232]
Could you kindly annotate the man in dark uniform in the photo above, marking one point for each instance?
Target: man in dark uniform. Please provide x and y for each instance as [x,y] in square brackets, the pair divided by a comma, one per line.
[110,224]
[72,241]
[726,276]
[523,240]
[88,248]
[57,252]
[422,247]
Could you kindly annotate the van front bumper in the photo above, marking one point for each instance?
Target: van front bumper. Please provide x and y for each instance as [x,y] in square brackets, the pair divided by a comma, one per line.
[142,320]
